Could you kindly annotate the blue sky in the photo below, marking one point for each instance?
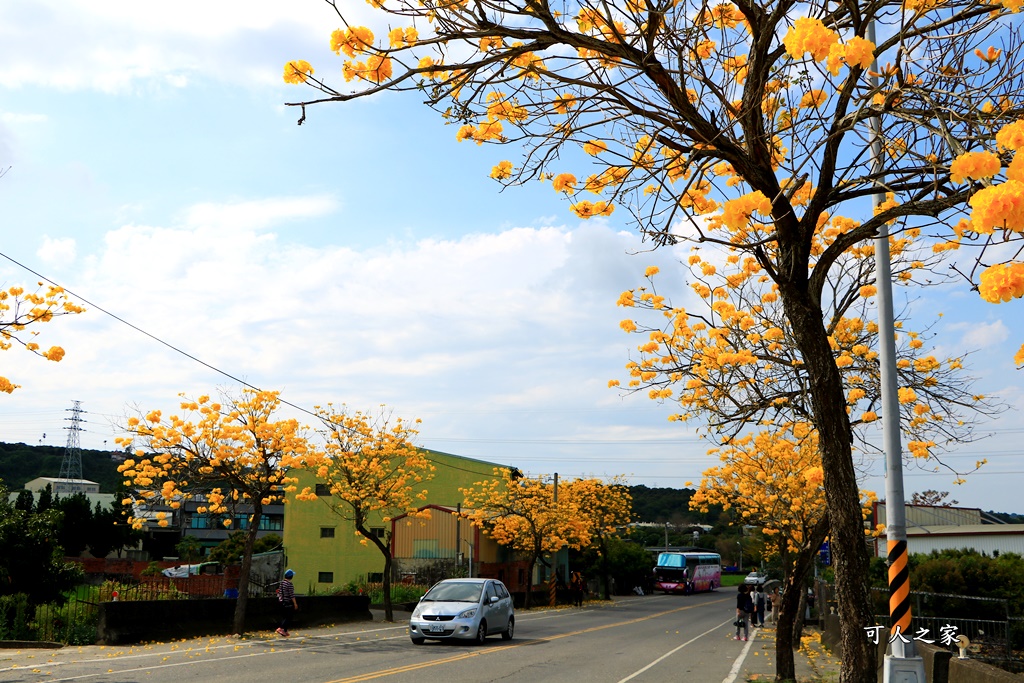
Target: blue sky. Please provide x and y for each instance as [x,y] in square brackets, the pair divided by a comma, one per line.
[362,258]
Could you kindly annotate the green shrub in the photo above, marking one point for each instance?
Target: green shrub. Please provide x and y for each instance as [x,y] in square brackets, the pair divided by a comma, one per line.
[400,592]
[73,623]
[14,617]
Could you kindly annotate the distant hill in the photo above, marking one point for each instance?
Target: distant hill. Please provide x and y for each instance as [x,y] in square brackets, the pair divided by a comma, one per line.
[21,463]
[661,505]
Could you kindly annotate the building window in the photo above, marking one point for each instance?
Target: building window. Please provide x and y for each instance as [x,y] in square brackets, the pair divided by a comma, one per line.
[377,531]
[325,577]
[323,490]
[327,532]
[375,577]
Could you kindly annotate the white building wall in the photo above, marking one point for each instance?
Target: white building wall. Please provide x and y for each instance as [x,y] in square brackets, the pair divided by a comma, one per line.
[984,543]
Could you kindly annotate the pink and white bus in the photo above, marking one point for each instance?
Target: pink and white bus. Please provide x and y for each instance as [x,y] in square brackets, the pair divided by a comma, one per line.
[688,572]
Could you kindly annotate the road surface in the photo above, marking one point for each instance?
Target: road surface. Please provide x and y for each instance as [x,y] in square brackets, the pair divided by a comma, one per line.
[653,639]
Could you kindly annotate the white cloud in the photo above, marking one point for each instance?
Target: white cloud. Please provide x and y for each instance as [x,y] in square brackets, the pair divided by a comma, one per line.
[259,214]
[983,335]
[525,317]
[14,117]
[114,44]
[57,252]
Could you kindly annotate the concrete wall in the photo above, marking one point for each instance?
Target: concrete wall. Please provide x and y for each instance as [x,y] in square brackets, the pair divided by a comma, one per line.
[939,664]
[145,620]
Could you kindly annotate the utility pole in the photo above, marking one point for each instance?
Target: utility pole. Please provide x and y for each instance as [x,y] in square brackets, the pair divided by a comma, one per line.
[71,465]
[902,664]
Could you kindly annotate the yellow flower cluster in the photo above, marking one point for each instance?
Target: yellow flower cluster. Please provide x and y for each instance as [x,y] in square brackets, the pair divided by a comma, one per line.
[488,130]
[297,71]
[813,99]
[502,170]
[975,165]
[585,209]
[1011,136]
[376,69]
[811,36]
[564,182]
[1002,282]
[352,41]
[736,212]
[399,37]
[1000,207]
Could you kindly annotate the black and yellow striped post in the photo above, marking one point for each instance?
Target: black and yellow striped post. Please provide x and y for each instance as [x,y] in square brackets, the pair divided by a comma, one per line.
[553,590]
[899,586]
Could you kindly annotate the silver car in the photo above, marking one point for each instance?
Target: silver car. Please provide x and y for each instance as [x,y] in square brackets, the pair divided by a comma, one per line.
[467,609]
[755,579]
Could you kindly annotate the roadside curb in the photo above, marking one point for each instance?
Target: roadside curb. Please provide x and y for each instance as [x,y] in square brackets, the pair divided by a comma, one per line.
[29,645]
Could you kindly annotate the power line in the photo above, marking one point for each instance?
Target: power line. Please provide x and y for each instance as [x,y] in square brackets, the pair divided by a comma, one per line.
[154,337]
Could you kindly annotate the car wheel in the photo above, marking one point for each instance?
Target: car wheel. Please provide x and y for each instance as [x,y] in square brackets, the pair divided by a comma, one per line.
[508,632]
[481,633]
[418,641]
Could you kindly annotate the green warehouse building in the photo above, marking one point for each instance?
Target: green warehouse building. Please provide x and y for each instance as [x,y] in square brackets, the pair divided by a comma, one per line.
[325,551]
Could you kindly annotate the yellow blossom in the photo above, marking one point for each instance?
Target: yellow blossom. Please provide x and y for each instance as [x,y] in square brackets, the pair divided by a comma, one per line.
[809,35]
[974,165]
[1002,282]
[502,170]
[296,71]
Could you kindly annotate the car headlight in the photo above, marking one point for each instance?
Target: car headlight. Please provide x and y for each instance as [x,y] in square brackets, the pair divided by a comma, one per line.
[416,612]
[468,614]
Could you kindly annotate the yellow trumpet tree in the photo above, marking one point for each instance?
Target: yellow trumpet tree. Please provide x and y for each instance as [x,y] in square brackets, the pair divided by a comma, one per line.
[232,456]
[20,309]
[605,509]
[528,515]
[373,468]
[731,359]
[743,124]
[773,480]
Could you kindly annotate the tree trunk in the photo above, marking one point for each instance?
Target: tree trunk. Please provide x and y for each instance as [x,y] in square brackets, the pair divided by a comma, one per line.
[243,574]
[842,494]
[787,618]
[785,664]
[389,614]
[529,576]
[605,578]
[385,550]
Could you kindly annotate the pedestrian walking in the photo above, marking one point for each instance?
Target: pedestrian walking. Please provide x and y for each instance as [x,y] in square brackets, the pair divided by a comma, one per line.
[760,600]
[774,603]
[744,606]
[286,601]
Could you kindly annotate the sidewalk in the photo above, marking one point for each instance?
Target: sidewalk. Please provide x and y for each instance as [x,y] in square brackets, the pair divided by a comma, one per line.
[812,662]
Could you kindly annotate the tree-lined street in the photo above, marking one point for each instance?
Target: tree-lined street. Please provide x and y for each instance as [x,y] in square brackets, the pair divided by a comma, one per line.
[652,638]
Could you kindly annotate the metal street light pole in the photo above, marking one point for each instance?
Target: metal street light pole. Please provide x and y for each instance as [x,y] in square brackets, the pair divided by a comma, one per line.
[902,665]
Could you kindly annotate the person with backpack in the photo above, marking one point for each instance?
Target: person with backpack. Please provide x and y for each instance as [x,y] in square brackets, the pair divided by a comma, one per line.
[744,607]
[760,601]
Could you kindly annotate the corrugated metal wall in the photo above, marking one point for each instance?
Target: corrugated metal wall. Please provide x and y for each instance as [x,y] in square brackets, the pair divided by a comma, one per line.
[990,544]
[433,538]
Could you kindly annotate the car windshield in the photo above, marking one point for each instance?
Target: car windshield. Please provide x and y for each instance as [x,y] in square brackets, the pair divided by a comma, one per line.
[460,591]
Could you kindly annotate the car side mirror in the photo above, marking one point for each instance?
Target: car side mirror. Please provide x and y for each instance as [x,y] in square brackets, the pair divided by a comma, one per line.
[493,599]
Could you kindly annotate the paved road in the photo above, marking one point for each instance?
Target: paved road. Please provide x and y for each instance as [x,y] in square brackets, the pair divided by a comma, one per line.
[654,639]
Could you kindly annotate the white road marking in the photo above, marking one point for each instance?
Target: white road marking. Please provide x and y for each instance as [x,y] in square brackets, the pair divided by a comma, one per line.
[672,652]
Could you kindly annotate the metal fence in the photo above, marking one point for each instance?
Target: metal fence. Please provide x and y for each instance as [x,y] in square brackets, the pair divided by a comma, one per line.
[940,616]
[74,622]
